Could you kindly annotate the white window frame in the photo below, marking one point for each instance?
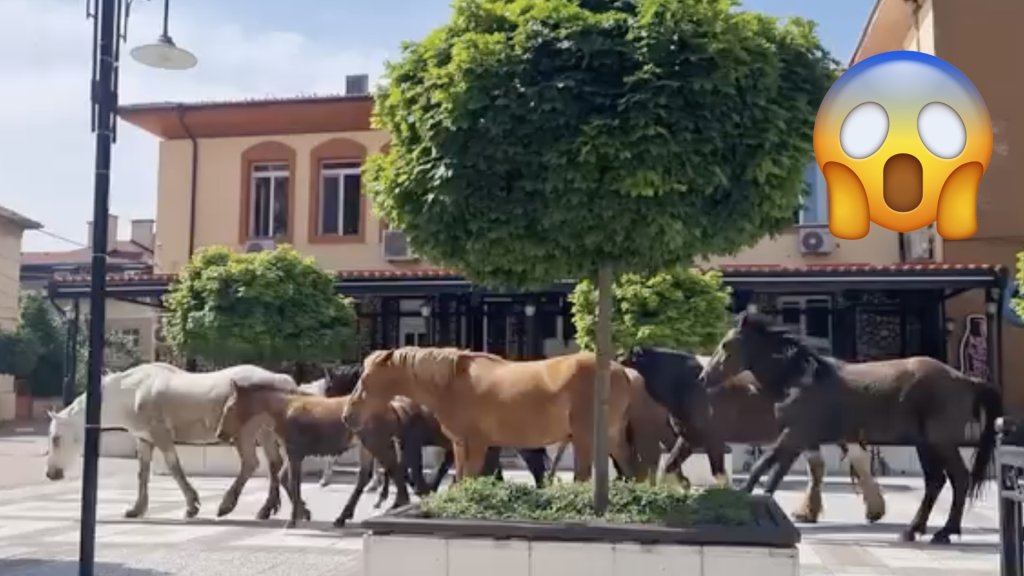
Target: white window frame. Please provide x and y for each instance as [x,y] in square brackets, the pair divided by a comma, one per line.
[818,197]
[271,171]
[338,172]
[801,302]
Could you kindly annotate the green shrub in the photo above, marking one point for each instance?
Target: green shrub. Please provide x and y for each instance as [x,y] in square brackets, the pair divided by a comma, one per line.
[630,503]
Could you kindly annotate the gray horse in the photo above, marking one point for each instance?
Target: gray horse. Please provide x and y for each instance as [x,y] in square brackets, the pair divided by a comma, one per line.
[162,405]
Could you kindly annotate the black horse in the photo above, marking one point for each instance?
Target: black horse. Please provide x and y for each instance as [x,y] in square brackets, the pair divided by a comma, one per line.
[672,379]
[917,400]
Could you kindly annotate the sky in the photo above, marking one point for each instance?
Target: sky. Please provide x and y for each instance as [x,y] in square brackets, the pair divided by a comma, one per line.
[246,48]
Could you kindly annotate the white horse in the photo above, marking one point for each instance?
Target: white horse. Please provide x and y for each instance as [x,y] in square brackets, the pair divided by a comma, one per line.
[161,405]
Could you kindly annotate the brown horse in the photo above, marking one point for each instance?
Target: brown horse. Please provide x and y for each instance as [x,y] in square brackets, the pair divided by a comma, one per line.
[917,400]
[483,400]
[311,425]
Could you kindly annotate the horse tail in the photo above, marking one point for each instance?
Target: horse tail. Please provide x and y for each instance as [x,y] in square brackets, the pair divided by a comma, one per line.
[988,399]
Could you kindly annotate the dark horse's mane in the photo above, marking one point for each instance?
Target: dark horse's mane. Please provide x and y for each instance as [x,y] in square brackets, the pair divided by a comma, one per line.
[342,379]
[799,358]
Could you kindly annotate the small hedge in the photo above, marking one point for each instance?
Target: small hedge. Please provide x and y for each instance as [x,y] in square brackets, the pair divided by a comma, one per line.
[629,503]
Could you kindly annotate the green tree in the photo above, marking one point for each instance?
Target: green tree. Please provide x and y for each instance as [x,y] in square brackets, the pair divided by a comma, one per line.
[271,308]
[19,353]
[40,322]
[536,140]
[684,308]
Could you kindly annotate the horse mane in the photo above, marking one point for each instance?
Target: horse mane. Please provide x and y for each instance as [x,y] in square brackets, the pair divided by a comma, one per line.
[342,380]
[432,366]
[800,359]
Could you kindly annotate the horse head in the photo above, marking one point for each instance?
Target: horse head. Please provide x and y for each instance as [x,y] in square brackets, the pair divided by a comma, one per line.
[65,439]
[381,379]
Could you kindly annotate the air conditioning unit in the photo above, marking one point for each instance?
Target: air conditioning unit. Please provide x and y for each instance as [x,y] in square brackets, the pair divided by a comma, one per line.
[396,246]
[260,245]
[918,245]
[815,240]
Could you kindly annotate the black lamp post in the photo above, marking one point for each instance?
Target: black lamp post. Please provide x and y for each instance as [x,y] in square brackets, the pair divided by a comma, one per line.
[110,19]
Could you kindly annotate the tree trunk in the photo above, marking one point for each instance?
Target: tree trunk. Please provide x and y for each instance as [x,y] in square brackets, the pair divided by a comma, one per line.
[601,385]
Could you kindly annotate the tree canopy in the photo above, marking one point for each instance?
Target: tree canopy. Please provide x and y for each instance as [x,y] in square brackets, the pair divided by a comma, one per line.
[534,140]
[39,322]
[683,308]
[268,308]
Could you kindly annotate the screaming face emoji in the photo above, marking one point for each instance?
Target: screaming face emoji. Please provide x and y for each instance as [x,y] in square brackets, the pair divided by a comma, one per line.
[903,139]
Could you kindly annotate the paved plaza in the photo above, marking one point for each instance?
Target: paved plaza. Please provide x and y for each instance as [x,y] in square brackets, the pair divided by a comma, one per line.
[39,529]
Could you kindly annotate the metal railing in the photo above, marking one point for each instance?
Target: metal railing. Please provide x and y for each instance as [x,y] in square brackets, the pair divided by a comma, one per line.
[1010,460]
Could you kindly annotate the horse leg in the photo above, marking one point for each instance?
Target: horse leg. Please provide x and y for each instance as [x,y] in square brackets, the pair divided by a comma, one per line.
[442,470]
[162,440]
[534,459]
[557,460]
[328,472]
[295,481]
[275,463]
[145,451]
[412,460]
[245,447]
[385,485]
[366,461]
[492,464]
[476,456]
[871,492]
[622,454]
[681,450]
[810,510]
[960,478]
[934,481]
[766,461]
[786,455]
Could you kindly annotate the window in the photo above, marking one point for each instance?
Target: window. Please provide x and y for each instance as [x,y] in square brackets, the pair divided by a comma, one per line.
[340,199]
[268,203]
[814,209]
[810,317]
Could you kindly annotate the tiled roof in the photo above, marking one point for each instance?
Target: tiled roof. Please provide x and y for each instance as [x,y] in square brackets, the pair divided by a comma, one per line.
[258,101]
[726,269]
[126,250]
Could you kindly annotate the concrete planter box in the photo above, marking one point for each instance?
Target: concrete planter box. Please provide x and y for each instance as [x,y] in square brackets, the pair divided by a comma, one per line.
[405,542]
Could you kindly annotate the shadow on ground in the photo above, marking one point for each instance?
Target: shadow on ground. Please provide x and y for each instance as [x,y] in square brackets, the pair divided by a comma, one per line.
[36,567]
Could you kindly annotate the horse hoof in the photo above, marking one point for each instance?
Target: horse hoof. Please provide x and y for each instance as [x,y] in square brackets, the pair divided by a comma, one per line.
[134,513]
[908,536]
[224,509]
[290,524]
[339,522]
[942,536]
[191,513]
[307,516]
[872,518]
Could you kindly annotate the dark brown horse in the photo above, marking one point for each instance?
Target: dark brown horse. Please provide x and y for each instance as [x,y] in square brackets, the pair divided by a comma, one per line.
[917,400]
[311,425]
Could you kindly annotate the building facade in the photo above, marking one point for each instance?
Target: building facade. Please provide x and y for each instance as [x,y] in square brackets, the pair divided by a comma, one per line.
[12,226]
[972,36]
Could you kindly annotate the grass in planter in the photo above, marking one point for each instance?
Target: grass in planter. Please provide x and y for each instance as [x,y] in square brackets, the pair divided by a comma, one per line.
[630,503]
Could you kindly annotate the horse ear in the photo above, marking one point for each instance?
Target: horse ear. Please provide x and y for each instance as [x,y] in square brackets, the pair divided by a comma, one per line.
[51,414]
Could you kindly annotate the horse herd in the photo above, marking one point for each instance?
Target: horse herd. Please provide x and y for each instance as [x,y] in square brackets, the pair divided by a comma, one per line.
[762,386]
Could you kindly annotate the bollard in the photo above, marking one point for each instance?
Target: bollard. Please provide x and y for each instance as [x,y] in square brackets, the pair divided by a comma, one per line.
[1010,474]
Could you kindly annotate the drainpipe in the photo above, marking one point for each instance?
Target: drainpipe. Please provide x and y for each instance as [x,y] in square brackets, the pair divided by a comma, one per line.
[192,186]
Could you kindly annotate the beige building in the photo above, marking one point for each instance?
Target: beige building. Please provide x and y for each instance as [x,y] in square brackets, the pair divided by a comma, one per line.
[974,37]
[12,226]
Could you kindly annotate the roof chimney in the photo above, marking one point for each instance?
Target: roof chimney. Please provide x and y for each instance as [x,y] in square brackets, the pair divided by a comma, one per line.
[142,233]
[111,233]
[357,84]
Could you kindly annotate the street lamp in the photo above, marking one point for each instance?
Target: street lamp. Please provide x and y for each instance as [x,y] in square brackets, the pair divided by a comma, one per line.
[164,53]
[110,19]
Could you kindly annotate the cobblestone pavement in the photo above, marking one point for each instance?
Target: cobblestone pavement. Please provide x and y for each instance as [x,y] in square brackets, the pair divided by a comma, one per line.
[39,531]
